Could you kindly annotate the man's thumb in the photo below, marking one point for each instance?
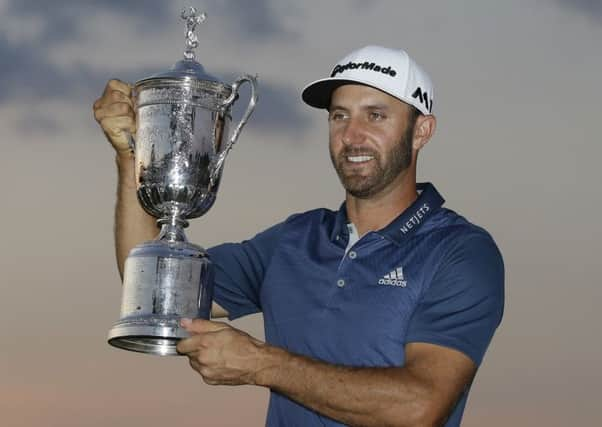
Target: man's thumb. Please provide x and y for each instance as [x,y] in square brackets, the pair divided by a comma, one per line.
[198,326]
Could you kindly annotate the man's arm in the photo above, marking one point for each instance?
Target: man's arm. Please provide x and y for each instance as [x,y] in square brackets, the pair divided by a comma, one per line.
[132,224]
[421,393]
[114,112]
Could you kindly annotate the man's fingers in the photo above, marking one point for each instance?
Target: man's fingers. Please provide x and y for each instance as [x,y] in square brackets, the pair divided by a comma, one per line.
[118,125]
[112,96]
[199,326]
[115,91]
[114,110]
[202,335]
[118,85]
[188,345]
[118,96]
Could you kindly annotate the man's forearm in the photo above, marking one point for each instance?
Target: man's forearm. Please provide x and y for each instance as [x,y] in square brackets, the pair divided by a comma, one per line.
[355,396]
[132,224]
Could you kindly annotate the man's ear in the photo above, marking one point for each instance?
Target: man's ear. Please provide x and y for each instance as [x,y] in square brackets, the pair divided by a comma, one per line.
[423,130]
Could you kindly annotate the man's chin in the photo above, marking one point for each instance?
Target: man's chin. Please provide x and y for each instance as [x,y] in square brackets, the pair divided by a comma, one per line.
[360,194]
[360,190]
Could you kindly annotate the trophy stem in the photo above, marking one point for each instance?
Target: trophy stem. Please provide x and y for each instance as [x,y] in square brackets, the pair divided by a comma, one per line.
[172,228]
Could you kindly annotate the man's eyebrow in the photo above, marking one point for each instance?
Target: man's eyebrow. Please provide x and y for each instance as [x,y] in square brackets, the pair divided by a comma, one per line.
[377,106]
[336,107]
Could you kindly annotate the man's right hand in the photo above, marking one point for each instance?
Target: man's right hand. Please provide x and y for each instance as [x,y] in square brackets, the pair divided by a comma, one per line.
[114,112]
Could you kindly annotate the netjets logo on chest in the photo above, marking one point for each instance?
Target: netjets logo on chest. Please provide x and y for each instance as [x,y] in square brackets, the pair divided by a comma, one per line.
[394,278]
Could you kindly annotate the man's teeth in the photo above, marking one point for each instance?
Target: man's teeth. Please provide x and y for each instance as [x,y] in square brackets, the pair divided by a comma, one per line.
[358,159]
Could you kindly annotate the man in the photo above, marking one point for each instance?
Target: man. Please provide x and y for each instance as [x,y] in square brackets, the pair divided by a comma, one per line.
[376,315]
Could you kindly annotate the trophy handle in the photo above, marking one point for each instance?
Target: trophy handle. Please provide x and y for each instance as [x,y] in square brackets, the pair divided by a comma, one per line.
[131,140]
[245,117]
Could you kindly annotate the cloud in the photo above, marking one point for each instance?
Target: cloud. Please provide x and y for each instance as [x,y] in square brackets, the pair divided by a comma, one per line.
[26,78]
[28,74]
[278,107]
[62,20]
[38,123]
[592,8]
[257,19]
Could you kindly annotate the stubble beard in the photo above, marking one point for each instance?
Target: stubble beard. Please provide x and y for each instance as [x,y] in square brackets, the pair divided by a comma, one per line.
[382,171]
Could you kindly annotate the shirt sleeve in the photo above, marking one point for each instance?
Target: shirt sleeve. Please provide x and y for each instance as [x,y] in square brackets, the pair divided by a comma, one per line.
[239,271]
[464,304]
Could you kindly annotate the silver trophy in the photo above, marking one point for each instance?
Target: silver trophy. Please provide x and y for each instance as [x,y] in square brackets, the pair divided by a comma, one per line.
[182,140]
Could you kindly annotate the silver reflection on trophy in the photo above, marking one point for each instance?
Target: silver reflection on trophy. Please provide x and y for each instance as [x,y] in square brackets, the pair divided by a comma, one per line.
[182,140]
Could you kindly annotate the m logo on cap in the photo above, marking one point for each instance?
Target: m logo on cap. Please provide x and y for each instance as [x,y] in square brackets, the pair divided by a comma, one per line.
[364,66]
[424,99]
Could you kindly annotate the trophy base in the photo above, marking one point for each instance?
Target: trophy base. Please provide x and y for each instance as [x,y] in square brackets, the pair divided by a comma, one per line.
[160,340]
[163,282]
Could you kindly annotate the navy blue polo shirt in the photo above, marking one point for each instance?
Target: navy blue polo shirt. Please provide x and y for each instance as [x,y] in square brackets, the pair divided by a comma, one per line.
[429,276]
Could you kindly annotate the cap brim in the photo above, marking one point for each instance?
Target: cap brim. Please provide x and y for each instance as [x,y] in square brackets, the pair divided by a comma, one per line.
[318,93]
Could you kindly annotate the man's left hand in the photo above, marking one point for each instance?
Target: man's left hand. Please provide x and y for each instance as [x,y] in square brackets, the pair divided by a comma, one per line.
[221,353]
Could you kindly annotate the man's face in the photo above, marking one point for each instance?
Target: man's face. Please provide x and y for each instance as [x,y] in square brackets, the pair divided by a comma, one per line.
[370,140]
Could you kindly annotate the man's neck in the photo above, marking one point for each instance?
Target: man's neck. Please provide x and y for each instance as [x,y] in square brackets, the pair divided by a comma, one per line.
[378,211]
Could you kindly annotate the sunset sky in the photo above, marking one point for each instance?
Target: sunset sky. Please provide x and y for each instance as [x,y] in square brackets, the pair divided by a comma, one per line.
[517,151]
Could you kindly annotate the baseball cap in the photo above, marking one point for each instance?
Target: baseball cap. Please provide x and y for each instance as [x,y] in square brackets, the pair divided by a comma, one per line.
[389,70]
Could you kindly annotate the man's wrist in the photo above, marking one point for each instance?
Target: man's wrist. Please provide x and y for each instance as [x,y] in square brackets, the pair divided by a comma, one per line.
[272,363]
[124,156]
[125,167]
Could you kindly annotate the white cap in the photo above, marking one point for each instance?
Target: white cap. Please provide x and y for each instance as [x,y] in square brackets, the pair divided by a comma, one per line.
[389,70]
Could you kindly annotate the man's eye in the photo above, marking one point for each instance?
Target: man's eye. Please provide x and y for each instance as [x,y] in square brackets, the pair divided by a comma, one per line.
[376,115]
[337,116]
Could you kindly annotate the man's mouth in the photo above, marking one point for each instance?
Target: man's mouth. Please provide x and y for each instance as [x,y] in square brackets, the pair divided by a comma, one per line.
[359,159]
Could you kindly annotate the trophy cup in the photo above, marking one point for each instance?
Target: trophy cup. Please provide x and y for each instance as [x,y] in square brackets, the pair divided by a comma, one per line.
[182,140]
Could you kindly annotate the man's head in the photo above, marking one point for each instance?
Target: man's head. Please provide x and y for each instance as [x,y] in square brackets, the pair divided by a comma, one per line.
[380,115]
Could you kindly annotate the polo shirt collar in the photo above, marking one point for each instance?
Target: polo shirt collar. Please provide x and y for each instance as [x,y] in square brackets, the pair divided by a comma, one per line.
[428,202]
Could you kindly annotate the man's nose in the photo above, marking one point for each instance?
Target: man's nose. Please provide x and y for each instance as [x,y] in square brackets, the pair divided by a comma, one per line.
[352,133]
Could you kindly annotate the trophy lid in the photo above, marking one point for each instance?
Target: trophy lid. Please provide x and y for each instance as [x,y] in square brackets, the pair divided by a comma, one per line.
[186,69]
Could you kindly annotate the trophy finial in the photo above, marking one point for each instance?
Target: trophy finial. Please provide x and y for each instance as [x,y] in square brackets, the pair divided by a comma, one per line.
[192,19]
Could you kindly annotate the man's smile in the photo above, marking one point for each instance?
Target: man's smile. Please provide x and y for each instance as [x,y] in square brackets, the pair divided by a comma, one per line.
[359,159]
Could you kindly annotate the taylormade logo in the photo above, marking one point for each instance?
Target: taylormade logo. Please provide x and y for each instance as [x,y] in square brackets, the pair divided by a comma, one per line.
[364,66]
